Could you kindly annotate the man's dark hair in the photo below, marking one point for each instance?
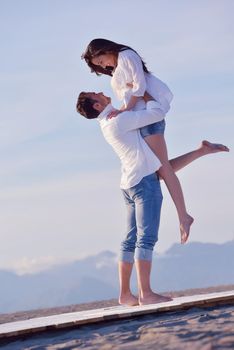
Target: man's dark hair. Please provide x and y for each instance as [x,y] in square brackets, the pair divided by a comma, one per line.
[84,106]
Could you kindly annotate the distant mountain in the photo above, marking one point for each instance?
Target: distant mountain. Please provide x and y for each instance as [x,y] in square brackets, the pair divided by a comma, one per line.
[195,265]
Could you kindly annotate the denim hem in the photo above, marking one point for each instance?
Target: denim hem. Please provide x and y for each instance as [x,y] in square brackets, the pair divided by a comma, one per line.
[143,254]
[126,256]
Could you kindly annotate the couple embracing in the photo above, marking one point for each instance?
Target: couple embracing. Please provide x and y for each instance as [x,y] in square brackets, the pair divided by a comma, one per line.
[136,133]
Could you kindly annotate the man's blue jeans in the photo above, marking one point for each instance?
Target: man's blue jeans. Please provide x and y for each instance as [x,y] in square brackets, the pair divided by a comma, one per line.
[143,203]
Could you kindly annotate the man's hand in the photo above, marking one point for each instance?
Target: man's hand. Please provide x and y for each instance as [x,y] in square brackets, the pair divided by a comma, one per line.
[130,85]
[114,113]
[147,97]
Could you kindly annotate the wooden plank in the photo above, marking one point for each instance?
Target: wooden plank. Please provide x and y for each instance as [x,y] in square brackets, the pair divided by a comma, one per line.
[68,320]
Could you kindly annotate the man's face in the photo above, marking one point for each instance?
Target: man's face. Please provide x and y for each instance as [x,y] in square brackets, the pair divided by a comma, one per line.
[99,97]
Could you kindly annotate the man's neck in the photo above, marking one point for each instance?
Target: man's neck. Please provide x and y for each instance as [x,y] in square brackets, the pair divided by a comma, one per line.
[106,111]
[104,106]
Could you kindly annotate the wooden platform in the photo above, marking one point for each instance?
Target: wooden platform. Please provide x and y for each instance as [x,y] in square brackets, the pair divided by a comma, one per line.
[68,320]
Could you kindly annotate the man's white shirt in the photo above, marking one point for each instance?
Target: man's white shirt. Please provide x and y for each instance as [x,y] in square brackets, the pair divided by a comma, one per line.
[122,133]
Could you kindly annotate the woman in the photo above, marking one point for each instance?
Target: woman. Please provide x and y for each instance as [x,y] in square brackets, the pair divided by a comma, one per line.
[130,79]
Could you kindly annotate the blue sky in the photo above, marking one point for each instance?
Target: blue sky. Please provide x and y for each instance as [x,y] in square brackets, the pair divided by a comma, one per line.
[59,180]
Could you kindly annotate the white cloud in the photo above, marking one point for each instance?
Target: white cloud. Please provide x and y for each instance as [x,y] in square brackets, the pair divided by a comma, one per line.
[28,265]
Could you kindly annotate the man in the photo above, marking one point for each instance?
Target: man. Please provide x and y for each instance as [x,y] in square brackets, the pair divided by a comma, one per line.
[140,186]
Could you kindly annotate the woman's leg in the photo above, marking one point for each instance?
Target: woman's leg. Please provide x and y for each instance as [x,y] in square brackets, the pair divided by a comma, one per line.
[204,149]
[158,145]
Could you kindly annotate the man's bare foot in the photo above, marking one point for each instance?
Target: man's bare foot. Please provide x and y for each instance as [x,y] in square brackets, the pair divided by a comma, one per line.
[153,298]
[128,299]
[185,225]
[208,147]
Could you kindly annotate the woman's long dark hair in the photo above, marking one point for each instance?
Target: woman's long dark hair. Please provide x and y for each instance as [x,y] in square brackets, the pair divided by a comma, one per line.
[98,47]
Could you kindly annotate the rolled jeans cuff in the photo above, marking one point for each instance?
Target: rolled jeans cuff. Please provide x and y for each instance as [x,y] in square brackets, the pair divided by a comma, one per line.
[143,254]
[126,256]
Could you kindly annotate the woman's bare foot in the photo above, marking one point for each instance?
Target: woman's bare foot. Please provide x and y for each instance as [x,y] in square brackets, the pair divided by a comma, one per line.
[208,147]
[153,298]
[185,225]
[128,299]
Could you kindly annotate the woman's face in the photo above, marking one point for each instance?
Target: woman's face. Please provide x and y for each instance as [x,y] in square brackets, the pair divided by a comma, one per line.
[106,60]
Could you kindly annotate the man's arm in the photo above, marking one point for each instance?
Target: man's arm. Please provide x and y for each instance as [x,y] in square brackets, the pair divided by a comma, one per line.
[132,120]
